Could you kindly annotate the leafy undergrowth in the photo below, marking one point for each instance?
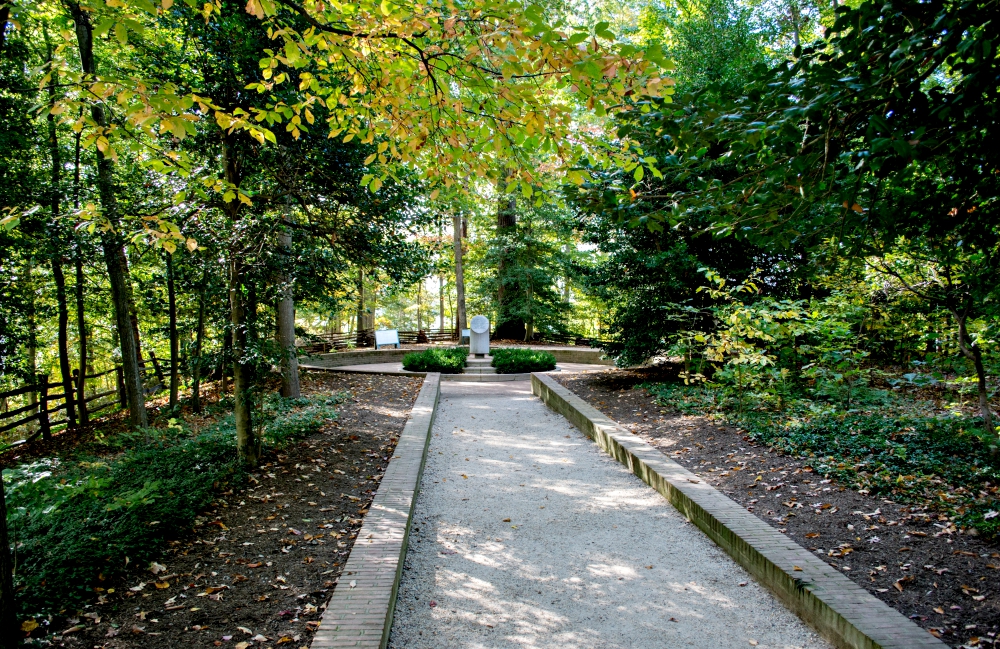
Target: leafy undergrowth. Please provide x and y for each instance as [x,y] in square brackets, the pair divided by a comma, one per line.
[892,448]
[446,361]
[516,360]
[78,524]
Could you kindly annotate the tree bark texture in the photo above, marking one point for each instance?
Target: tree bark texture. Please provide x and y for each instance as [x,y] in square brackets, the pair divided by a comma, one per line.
[198,342]
[32,352]
[247,444]
[111,241]
[56,242]
[972,351]
[63,317]
[81,332]
[174,343]
[286,323]
[456,224]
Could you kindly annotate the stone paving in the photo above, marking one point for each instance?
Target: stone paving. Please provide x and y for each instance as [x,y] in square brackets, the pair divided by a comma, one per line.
[526,535]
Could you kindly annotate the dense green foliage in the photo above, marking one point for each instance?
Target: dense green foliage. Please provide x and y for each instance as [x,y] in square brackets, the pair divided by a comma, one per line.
[513,360]
[828,207]
[79,523]
[446,361]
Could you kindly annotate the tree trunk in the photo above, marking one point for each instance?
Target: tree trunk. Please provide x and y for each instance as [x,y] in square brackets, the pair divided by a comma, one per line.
[286,322]
[174,343]
[56,241]
[440,276]
[111,241]
[506,221]
[4,17]
[32,351]
[227,353]
[247,444]
[63,319]
[362,320]
[796,18]
[198,341]
[81,322]
[972,351]
[456,224]
[81,330]
[529,322]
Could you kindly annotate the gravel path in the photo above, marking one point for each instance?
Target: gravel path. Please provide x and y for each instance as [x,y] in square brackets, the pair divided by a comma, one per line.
[590,557]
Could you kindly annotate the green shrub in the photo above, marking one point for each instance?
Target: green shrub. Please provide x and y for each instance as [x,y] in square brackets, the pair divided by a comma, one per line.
[77,524]
[519,361]
[446,361]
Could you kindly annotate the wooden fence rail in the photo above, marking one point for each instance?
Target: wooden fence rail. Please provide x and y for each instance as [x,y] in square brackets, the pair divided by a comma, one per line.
[322,343]
[45,403]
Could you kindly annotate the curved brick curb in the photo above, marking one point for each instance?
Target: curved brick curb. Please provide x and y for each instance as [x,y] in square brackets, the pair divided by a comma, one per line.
[360,612]
[839,609]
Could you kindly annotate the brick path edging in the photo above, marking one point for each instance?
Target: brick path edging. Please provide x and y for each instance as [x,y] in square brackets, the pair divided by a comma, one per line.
[360,611]
[840,610]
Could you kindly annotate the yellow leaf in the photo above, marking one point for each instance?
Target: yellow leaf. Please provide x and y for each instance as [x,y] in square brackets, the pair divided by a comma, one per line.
[435,193]
[28,626]
[192,245]
[165,584]
[246,201]
[166,4]
[370,159]
[376,184]
[255,9]
[169,247]
[386,10]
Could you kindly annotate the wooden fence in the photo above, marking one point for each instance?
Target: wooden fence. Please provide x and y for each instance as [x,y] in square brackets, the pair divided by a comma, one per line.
[322,343]
[37,416]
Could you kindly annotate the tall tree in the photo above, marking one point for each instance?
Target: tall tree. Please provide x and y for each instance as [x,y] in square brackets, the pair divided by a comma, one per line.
[112,241]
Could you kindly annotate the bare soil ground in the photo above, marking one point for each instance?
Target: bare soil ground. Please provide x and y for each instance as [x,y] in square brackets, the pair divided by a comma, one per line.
[261,564]
[910,557]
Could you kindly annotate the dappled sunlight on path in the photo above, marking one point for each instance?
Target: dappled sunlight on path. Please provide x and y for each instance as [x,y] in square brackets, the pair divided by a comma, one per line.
[526,535]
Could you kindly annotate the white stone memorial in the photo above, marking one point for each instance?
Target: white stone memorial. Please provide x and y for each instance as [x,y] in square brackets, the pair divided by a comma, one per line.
[479,338]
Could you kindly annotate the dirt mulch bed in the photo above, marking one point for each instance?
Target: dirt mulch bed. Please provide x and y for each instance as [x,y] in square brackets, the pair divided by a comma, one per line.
[912,558]
[263,562]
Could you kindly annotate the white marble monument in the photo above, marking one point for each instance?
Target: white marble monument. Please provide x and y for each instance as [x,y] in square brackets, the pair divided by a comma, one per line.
[479,340]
